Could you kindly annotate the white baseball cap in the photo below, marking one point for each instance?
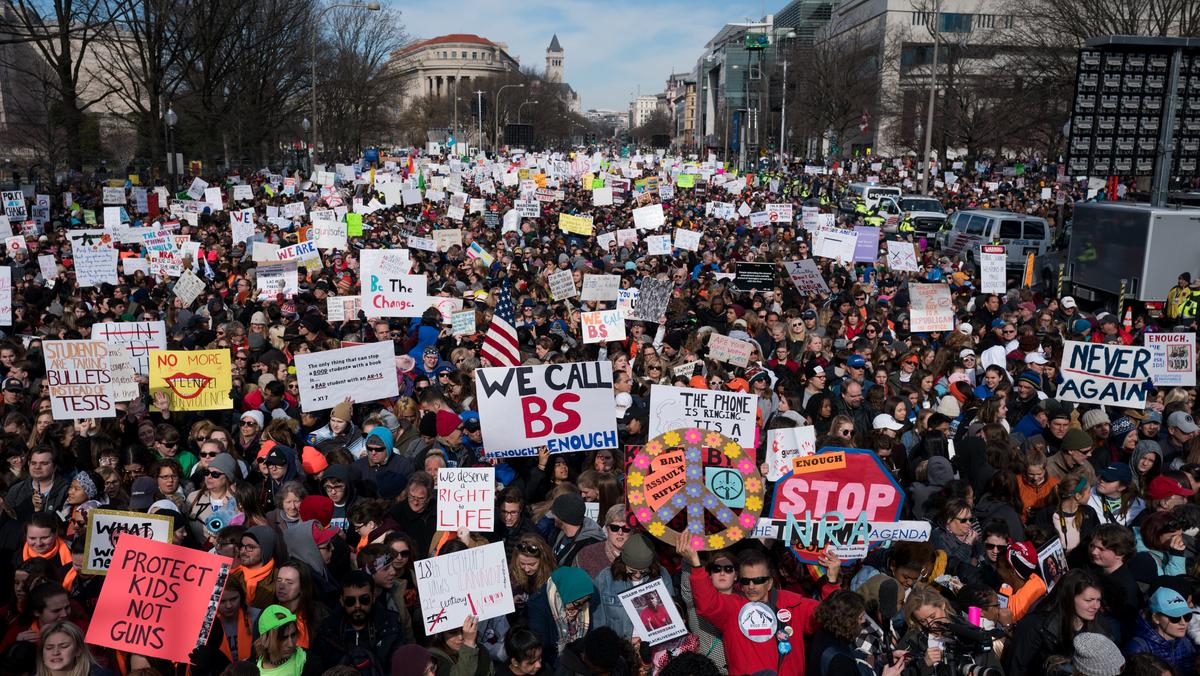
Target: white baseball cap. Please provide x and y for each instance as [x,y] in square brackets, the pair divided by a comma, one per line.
[1067,302]
[884,421]
[1036,358]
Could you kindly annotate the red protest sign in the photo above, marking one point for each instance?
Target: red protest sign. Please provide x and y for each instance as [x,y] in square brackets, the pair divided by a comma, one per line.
[819,501]
[159,600]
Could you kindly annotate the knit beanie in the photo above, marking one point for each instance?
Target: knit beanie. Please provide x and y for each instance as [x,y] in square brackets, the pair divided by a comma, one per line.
[1094,417]
[1097,655]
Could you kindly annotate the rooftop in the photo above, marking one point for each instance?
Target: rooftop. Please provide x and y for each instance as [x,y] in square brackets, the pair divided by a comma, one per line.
[452,38]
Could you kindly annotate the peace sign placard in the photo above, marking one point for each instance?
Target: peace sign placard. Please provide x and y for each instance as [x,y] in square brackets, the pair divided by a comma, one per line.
[698,482]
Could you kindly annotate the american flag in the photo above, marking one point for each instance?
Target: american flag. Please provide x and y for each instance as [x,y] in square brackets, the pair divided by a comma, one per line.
[500,342]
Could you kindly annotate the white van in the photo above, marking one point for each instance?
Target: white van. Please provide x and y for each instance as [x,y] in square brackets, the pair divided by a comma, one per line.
[1021,234]
[868,193]
[925,213]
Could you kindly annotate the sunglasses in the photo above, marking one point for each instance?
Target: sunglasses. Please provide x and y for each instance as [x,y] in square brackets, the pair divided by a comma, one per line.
[376,449]
[360,600]
[619,528]
[248,423]
[992,547]
[169,444]
[755,581]
[531,550]
[403,554]
[578,605]
[714,568]
[214,474]
[638,572]
[209,455]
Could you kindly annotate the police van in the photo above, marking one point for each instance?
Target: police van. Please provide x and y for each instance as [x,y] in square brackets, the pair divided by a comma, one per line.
[1021,234]
[869,193]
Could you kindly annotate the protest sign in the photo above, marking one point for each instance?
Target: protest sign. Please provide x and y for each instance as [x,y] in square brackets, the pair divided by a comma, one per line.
[5,295]
[1110,375]
[463,323]
[729,413]
[473,582]
[329,234]
[648,217]
[1173,358]
[729,350]
[687,239]
[901,256]
[194,380]
[932,309]
[158,600]
[447,306]
[95,257]
[754,276]
[14,205]
[695,481]
[992,262]
[477,252]
[834,499]
[658,245]
[779,214]
[466,498]
[806,277]
[113,195]
[197,188]
[138,339]
[387,289]
[528,208]
[600,287]
[562,284]
[448,237]
[342,308]
[566,407]
[866,247]
[189,286]
[1052,562]
[652,299]
[603,326]
[652,612]
[243,192]
[783,445]
[578,225]
[79,379]
[836,244]
[602,197]
[362,373]
[124,378]
[627,237]
[48,266]
[105,528]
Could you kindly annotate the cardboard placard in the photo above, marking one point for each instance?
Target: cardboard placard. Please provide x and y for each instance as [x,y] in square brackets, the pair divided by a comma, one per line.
[362,373]
[729,413]
[652,613]
[195,380]
[474,582]
[387,288]
[603,326]
[466,498]
[105,528]
[932,309]
[1109,375]
[79,379]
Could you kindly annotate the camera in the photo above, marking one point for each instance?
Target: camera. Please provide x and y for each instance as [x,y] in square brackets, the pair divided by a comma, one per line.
[966,651]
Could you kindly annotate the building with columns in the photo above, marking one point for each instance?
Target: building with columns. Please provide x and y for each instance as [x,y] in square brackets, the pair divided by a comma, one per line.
[432,67]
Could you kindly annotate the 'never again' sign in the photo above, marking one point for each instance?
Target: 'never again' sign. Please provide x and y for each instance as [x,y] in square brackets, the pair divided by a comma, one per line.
[1114,375]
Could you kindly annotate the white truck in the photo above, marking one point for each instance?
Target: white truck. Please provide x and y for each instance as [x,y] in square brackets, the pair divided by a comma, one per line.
[924,212]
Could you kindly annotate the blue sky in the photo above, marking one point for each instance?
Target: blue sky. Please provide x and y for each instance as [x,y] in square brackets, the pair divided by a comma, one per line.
[610,47]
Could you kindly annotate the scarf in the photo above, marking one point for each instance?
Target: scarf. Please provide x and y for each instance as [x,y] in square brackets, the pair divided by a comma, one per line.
[244,643]
[568,631]
[64,559]
[252,576]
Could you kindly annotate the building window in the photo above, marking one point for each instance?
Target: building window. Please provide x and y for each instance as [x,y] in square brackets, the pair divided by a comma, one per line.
[985,20]
[920,18]
[454,55]
[952,22]
[914,56]
[474,56]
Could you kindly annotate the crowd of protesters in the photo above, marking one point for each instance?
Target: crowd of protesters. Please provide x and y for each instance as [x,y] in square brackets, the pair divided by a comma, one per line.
[326,512]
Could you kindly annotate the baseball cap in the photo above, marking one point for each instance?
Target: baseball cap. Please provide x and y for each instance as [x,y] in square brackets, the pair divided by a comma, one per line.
[1182,421]
[965,328]
[12,385]
[814,371]
[142,492]
[1162,487]
[856,361]
[275,457]
[1036,358]
[1167,601]
[1117,471]
[1067,302]
[966,352]
[808,314]
[274,617]
[1150,417]
[884,421]
[470,421]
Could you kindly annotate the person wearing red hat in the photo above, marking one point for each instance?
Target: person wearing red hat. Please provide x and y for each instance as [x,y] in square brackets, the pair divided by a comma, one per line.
[1164,494]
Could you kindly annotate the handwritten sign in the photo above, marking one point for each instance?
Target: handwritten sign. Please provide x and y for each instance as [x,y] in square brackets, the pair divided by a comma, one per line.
[158,600]
[600,287]
[463,323]
[578,225]
[729,350]
[932,308]
[79,378]
[474,582]
[786,444]
[729,413]
[194,380]
[364,373]
[649,217]
[138,339]
[603,326]
[901,256]
[1110,375]
[387,289]
[106,526]
[806,277]
[562,284]
[466,498]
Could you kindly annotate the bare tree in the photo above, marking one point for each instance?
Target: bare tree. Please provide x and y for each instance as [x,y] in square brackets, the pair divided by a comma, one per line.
[65,34]
[840,81]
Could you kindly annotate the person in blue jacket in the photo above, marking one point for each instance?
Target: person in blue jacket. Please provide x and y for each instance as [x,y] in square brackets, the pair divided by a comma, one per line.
[1162,631]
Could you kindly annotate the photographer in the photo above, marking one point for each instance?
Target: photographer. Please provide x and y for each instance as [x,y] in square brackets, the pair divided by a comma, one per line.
[1050,630]
[939,643]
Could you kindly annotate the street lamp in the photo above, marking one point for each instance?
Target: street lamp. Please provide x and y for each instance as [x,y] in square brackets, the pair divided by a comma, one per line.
[496,137]
[523,104]
[937,38]
[171,118]
[306,125]
[371,6]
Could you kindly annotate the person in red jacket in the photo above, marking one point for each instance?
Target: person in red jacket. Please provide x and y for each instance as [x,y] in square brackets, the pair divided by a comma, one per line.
[763,627]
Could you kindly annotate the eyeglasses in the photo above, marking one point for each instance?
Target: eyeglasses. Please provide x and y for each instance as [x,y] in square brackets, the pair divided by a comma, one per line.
[360,600]
[619,528]
[376,449]
[402,554]
[714,568]
[209,455]
[531,550]
[214,474]
[248,423]
[164,477]
[755,581]
[577,605]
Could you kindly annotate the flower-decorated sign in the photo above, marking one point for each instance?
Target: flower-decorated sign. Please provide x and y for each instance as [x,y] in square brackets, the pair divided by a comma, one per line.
[698,482]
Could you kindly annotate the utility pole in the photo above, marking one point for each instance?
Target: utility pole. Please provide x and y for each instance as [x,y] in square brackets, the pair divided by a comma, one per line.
[782,112]
[479,107]
[937,10]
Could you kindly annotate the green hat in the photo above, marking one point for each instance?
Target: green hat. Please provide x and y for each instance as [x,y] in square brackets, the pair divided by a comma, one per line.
[1076,440]
[274,617]
[572,583]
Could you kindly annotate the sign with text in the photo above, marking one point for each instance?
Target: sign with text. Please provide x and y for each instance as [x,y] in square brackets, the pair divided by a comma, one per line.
[786,444]
[106,526]
[565,407]
[1110,375]
[1173,360]
[362,373]
[754,276]
[603,326]
[600,287]
[466,498]
[474,582]
[729,350]
[729,413]
[932,308]
[806,277]
[158,600]
[138,339]
[387,288]
[79,379]
[194,380]
[992,263]
[652,612]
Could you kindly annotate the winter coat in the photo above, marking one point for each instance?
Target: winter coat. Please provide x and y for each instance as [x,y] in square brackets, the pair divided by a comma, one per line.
[565,548]
[609,591]
[1179,652]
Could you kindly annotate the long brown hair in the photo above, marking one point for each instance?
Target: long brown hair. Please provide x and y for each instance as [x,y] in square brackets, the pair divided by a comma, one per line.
[546,563]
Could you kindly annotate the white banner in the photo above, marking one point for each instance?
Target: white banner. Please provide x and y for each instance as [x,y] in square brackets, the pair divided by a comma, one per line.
[474,582]
[363,373]
[1110,375]
[730,413]
[566,407]
[387,288]
[729,350]
[932,308]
